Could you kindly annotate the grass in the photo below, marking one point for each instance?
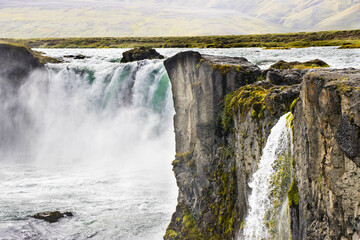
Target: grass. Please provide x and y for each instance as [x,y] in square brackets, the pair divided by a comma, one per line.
[344,39]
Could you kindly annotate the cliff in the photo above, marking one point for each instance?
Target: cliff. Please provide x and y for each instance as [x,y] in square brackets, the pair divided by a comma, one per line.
[327,155]
[225,109]
[16,62]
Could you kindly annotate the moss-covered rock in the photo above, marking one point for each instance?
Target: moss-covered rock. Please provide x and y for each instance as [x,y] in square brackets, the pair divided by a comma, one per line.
[316,63]
[141,53]
[17,61]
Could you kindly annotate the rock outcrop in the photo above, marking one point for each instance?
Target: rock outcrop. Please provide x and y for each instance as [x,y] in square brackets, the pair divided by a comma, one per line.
[225,109]
[16,62]
[141,53]
[52,217]
[316,63]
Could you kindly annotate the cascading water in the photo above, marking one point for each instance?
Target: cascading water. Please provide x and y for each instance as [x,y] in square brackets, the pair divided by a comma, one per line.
[261,203]
[93,137]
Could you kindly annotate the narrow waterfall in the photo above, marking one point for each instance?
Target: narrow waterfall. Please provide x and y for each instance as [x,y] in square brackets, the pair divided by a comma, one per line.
[269,185]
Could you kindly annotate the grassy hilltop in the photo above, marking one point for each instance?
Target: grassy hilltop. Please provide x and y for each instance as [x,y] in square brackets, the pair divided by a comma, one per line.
[345,39]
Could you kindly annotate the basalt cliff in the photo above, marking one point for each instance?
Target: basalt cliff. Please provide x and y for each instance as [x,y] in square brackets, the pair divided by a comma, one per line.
[225,110]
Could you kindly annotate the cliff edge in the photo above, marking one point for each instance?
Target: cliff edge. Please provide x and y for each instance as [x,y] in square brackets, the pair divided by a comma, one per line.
[225,109]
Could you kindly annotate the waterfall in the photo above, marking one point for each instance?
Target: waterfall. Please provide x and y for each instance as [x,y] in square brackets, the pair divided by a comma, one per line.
[277,154]
[91,136]
[87,111]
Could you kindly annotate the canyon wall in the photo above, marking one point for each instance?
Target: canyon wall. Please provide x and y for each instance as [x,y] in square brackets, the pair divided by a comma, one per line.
[225,109]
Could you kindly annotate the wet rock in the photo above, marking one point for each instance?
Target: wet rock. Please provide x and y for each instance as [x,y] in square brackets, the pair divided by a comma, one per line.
[52,217]
[141,53]
[16,62]
[79,56]
[316,63]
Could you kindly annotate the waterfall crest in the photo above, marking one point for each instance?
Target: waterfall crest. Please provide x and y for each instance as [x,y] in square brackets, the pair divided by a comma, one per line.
[86,111]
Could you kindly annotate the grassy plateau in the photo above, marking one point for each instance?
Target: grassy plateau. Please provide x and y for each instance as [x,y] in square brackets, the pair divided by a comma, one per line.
[344,39]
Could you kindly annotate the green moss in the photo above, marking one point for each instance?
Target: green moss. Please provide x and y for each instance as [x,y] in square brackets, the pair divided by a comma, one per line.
[293,194]
[171,234]
[199,64]
[316,63]
[175,162]
[186,158]
[223,69]
[293,104]
[184,228]
[343,88]
[195,84]
[242,225]
[290,122]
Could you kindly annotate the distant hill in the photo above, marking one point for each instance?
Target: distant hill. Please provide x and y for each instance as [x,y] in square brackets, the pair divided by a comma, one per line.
[76,18]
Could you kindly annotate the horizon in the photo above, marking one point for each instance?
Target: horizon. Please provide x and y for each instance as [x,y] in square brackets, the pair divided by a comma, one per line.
[172,18]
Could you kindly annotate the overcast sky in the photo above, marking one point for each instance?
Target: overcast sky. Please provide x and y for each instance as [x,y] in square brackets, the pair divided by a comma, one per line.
[80,18]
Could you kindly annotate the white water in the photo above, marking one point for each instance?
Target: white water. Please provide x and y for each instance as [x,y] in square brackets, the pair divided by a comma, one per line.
[259,201]
[91,137]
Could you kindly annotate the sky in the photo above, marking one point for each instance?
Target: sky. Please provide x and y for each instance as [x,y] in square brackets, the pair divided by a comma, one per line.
[116,18]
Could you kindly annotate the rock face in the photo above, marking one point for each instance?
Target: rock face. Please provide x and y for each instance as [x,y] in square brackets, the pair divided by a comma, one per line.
[327,145]
[141,53]
[16,62]
[224,113]
[225,109]
[52,217]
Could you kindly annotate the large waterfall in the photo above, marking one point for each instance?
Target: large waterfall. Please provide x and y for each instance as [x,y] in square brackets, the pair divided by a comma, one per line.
[91,136]
[262,213]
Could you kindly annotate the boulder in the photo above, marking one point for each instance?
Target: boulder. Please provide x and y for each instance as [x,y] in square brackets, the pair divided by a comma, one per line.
[141,53]
[284,77]
[52,217]
[316,63]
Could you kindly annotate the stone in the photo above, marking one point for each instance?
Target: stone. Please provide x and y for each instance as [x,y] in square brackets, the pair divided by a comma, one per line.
[316,63]
[284,77]
[141,53]
[52,217]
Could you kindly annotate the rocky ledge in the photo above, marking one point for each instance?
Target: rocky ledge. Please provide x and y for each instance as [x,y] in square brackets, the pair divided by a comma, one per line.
[225,109]
[17,61]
